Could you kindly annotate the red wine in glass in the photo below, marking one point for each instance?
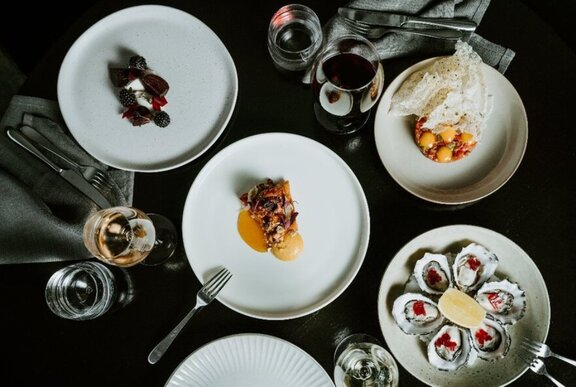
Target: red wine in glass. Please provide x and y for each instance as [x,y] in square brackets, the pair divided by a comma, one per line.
[346,85]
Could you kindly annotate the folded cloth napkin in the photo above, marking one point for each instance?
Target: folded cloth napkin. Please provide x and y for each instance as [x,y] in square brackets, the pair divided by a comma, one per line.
[42,215]
[401,44]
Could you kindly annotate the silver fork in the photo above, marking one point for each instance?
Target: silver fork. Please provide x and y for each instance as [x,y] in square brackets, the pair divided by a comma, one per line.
[371,32]
[98,178]
[537,365]
[542,350]
[205,295]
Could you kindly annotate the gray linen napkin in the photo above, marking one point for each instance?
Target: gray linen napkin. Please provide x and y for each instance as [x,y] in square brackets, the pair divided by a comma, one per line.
[400,44]
[41,215]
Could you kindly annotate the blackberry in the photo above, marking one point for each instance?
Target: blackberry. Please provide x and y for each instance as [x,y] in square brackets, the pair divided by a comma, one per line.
[127,97]
[138,62]
[162,119]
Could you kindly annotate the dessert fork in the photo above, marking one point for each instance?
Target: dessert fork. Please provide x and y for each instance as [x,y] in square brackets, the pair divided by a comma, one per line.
[98,178]
[537,365]
[371,32]
[205,295]
[542,350]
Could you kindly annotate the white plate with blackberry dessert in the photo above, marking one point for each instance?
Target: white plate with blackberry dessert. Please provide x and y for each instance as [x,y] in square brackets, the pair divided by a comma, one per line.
[147,89]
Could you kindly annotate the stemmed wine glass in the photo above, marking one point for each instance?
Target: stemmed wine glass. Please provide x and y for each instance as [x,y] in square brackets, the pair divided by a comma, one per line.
[126,236]
[360,361]
[347,80]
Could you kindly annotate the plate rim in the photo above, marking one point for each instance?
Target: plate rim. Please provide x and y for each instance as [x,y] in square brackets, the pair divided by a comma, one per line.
[446,198]
[383,288]
[167,165]
[250,335]
[359,257]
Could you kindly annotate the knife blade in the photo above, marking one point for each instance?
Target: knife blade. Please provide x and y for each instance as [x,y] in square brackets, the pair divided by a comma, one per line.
[382,18]
[72,177]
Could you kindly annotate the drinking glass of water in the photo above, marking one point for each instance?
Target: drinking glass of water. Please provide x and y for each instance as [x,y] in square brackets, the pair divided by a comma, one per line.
[347,80]
[294,37]
[360,361]
[81,291]
[125,236]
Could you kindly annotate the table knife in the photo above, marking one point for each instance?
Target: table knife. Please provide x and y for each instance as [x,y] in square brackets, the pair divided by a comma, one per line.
[387,19]
[72,177]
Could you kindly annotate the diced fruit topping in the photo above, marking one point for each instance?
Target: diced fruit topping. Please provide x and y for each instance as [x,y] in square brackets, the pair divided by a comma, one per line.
[162,119]
[433,277]
[473,262]
[138,62]
[127,97]
[482,336]
[419,309]
[446,341]
[155,85]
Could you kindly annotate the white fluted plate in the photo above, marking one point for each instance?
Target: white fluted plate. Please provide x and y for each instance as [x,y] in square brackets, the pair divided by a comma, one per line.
[249,360]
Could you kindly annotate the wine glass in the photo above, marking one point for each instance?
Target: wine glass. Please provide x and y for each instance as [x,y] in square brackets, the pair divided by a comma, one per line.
[347,80]
[360,361]
[126,236]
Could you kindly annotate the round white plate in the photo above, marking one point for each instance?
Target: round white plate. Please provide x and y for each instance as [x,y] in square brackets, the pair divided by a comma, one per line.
[514,264]
[333,221]
[483,171]
[249,360]
[178,47]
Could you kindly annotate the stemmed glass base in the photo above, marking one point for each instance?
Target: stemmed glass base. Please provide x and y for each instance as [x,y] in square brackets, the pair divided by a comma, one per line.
[360,361]
[165,243]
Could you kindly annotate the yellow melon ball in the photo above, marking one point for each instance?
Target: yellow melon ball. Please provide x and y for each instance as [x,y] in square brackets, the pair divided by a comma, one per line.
[427,140]
[444,154]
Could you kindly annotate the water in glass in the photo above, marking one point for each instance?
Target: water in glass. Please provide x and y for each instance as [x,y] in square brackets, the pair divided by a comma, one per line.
[361,362]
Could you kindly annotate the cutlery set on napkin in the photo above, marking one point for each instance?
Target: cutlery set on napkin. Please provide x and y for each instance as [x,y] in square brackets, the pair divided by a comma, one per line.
[419,27]
[45,201]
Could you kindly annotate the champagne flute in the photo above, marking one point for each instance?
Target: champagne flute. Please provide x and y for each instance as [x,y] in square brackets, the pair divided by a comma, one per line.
[360,361]
[126,236]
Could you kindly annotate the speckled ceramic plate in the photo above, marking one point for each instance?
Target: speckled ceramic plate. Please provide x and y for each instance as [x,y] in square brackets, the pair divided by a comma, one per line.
[487,168]
[515,264]
[177,46]
[249,360]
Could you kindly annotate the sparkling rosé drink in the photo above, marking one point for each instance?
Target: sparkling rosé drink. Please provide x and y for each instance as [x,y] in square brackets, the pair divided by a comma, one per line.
[120,236]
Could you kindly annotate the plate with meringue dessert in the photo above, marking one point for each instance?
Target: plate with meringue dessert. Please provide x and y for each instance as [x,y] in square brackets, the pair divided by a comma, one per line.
[451,130]
[455,303]
[286,215]
[147,89]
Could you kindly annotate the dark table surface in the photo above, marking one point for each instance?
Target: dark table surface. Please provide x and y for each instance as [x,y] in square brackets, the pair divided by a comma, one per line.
[536,209]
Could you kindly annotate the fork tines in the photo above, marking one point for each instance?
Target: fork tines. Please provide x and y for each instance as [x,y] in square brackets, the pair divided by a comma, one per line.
[216,283]
[530,346]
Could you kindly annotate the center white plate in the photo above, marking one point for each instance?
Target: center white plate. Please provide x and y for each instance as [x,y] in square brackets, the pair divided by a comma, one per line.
[178,47]
[514,264]
[249,360]
[333,221]
[487,168]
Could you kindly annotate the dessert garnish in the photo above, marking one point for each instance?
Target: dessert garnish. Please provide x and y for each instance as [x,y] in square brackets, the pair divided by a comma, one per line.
[459,307]
[450,103]
[268,220]
[142,93]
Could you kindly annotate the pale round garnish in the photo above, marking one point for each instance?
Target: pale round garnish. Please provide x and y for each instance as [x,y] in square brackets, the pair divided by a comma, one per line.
[290,248]
[461,309]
